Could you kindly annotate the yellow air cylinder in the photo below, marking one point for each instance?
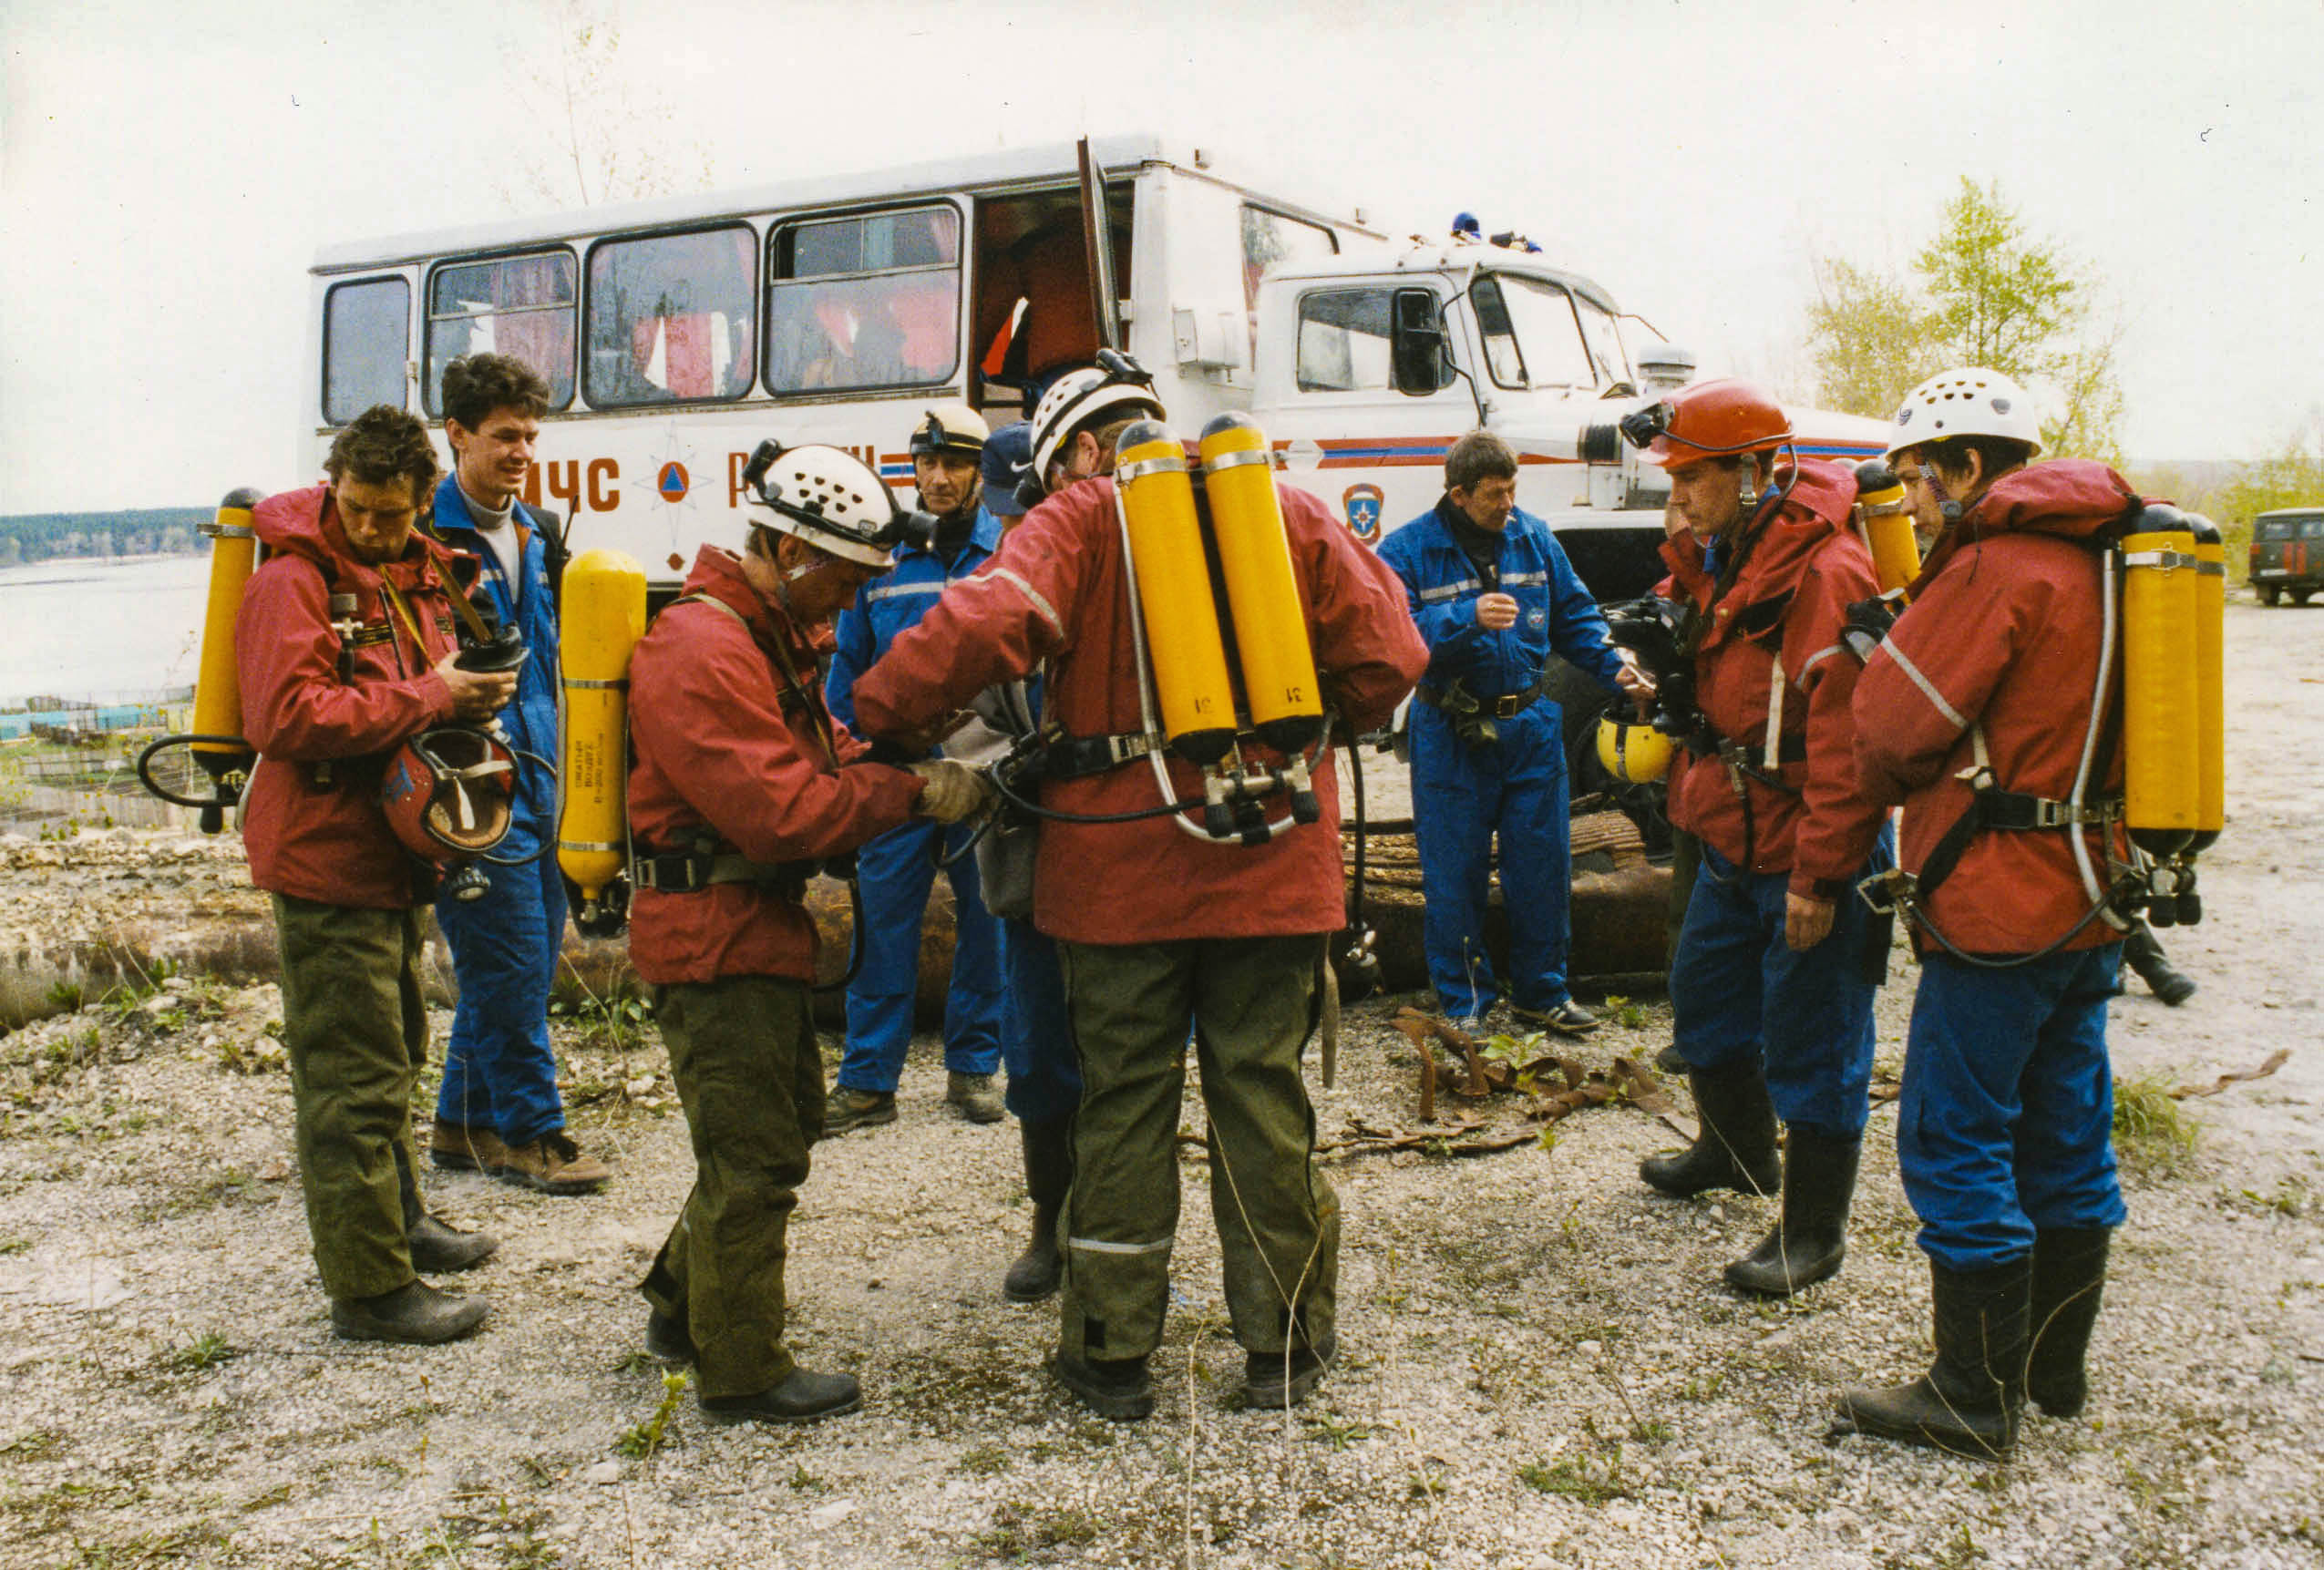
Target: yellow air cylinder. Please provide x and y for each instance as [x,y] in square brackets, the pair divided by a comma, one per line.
[2211,682]
[2162,705]
[218,688]
[1183,646]
[1887,523]
[1633,753]
[1255,557]
[604,616]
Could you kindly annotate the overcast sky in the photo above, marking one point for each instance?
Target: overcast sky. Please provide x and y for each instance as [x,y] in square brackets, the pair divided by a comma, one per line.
[167,169]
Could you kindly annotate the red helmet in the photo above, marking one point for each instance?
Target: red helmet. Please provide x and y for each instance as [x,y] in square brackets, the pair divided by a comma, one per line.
[447,793]
[1708,420]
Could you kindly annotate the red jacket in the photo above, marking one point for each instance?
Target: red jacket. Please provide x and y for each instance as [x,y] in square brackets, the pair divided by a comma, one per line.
[329,841]
[1803,569]
[1057,591]
[2003,631]
[720,746]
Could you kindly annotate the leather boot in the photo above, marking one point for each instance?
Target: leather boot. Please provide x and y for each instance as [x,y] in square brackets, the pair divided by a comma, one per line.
[2069,1278]
[1811,1236]
[416,1314]
[1737,1146]
[802,1397]
[1116,1388]
[2144,953]
[435,1247]
[1968,1400]
[1048,1173]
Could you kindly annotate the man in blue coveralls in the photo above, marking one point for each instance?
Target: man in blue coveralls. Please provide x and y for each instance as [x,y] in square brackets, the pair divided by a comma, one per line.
[498,1111]
[896,870]
[1496,599]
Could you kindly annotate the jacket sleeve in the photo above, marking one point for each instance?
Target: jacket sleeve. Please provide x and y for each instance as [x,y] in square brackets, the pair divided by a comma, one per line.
[287,656]
[1577,628]
[1838,823]
[1447,623]
[1368,650]
[850,660]
[709,717]
[993,626]
[1930,679]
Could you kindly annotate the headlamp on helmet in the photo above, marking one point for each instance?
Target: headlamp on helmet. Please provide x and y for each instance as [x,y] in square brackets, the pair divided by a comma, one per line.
[952,428]
[1722,418]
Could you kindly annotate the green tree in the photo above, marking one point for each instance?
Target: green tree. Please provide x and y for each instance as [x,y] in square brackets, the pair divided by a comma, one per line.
[1984,291]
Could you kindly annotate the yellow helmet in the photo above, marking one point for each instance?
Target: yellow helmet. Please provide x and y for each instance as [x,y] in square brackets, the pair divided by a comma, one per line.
[1632,753]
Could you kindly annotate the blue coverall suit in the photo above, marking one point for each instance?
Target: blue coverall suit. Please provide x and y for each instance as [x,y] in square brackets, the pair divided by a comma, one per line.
[1463,795]
[499,1071]
[896,870]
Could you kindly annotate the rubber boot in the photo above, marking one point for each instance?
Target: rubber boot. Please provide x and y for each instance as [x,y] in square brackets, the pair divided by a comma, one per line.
[1737,1146]
[2068,1279]
[1968,1400]
[802,1397]
[1048,1173]
[1810,1237]
[415,1314]
[436,1249]
[2144,953]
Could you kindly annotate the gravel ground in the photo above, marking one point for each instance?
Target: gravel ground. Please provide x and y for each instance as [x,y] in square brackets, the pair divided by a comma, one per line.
[1539,1365]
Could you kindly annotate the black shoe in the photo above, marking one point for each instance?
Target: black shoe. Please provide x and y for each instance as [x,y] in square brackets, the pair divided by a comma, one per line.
[1568,1019]
[1280,1379]
[1048,1173]
[1119,1388]
[1737,1146]
[415,1314]
[2068,1279]
[667,1340]
[1970,1399]
[1811,1236]
[802,1397]
[2144,953]
[1669,1061]
[437,1250]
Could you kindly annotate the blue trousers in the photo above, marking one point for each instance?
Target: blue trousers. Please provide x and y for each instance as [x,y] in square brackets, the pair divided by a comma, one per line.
[1044,1076]
[1462,798]
[499,1072]
[1740,993]
[2006,1124]
[895,872]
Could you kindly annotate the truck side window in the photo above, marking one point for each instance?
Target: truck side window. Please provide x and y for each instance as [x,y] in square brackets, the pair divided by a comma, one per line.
[1532,337]
[670,318]
[520,306]
[872,301]
[1343,340]
[366,338]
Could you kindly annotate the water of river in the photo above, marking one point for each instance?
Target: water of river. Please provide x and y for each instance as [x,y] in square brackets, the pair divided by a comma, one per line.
[94,629]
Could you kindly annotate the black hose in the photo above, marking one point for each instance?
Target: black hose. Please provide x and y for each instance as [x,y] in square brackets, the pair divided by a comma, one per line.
[1036,809]
[548,840]
[1355,781]
[145,769]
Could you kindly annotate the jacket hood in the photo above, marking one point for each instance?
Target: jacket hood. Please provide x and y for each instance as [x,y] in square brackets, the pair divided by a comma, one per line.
[291,524]
[1816,509]
[718,574]
[2068,498]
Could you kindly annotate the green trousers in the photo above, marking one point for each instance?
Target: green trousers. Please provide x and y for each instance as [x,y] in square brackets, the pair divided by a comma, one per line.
[1250,1003]
[356,1033]
[743,1054]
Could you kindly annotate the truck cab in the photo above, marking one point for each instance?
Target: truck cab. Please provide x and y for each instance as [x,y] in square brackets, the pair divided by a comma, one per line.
[2288,554]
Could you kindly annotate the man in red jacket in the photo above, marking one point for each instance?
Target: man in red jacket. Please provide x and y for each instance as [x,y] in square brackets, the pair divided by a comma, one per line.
[1161,932]
[1772,986]
[345,650]
[1974,713]
[741,785]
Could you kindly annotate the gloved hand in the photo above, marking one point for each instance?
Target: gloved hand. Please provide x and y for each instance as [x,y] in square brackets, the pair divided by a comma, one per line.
[1867,623]
[955,791]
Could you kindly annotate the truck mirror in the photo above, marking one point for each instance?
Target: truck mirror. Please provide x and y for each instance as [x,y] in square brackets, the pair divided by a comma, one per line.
[1420,349]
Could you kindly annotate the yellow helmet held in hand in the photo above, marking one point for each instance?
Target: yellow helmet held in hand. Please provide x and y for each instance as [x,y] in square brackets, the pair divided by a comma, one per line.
[1632,753]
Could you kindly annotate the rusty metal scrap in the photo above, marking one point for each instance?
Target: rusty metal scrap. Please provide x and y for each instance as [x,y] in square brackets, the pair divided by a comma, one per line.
[2276,1060]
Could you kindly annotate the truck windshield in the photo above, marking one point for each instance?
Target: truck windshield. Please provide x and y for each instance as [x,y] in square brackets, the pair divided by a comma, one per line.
[1532,337]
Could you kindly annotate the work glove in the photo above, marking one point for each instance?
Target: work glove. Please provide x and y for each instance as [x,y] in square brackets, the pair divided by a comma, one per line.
[954,791]
[1867,623]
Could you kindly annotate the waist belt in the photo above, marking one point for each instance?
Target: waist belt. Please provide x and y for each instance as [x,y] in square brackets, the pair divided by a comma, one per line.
[1068,757]
[2010,811]
[678,872]
[1454,701]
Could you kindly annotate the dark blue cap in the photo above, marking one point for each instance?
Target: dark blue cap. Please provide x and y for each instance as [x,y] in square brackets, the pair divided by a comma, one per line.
[1007,453]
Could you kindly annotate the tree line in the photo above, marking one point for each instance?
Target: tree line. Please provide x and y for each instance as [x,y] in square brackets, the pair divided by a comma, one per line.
[45,536]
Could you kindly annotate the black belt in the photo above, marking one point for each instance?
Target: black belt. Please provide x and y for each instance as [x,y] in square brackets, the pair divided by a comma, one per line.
[1507,706]
[679,872]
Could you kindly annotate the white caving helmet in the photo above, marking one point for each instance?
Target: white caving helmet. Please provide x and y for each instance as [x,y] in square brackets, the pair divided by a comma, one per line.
[829,498]
[1969,402]
[1117,381]
[953,428]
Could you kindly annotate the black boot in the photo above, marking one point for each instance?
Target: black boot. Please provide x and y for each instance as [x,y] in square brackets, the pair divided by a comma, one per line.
[1116,1388]
[1810,1237]
[435,1247]
[802,1397]
[2069,1278]
[2142,953]
[1737,1146]
[1968,1400]
[1048,1173]
[415,1314]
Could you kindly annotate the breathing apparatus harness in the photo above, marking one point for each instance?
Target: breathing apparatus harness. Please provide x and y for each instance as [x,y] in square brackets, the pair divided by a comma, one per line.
[2156,870]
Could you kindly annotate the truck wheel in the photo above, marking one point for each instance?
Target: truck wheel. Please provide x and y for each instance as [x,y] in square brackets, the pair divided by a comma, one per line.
[2270,595]
[2300,596]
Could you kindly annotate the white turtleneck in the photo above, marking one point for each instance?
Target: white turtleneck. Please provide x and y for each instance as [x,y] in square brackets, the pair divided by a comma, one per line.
[495,527]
